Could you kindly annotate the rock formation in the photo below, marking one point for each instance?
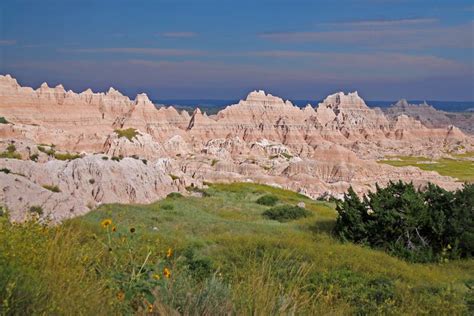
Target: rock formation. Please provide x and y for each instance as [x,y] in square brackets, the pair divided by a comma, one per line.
[431,117]
[315,151]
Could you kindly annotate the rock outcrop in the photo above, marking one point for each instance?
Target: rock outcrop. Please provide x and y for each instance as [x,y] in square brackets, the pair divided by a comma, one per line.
[431,117]
[315,151]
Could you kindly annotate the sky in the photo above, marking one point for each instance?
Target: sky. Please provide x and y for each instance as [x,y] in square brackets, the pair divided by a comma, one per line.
[222,49]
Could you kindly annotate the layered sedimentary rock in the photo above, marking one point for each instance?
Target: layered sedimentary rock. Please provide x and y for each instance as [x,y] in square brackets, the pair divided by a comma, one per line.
[315,151]
[431,117]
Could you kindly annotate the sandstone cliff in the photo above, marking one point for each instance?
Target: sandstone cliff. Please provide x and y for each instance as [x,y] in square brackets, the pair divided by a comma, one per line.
[315,151]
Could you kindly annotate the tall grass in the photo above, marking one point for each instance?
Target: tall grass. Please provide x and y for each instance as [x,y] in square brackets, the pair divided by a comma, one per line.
[226,259]
[49,270]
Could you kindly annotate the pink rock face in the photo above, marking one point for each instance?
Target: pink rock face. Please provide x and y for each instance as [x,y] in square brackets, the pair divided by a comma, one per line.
[265,139]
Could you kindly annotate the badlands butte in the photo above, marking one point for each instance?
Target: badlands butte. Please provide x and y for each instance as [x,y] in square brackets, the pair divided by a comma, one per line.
[68,152]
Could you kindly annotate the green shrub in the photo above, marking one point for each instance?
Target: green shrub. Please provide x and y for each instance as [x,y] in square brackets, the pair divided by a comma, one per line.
[173,177]
[419,226]
[167,207]
[5,170]
[285,213]
[3,120]
[128,133]
[268,200]
[11,148]
[10,153]
[66,156]
[34,157]
[52,188]
[35,209]
[200,268]
[115,158]
[105,158]
[174,195]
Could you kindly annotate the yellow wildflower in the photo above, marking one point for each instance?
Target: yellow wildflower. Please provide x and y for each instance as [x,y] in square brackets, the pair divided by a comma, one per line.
[150,308]
[106,223]
[169,253]
[167,273]
[121,296]
[156,276]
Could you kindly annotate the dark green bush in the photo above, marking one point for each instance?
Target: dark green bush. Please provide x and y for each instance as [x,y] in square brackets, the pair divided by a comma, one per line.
[36,210]
[285,213]
[199,267]
[174,195]
[421,226]
[3,120]
[34,157]
[11,148]
[167,207]
[5,170]
[268,200]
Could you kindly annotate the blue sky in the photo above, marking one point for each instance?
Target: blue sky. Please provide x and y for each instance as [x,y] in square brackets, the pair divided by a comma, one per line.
[298,49]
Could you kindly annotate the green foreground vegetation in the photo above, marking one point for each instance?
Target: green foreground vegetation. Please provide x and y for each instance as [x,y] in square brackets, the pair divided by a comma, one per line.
[460,166]
[216,255]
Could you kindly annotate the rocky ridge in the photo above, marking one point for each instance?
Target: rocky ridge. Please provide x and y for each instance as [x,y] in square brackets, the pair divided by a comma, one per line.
[263,138]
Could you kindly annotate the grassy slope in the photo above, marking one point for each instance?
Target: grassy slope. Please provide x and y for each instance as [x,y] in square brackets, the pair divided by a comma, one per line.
[267,267]
[459,167]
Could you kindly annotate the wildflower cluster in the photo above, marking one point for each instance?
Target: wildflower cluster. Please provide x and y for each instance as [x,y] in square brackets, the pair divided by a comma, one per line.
[136,278]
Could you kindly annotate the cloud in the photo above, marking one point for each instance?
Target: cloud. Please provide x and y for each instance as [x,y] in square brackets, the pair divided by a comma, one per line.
[386,22]
[136,50]
[179,34]
[390,37]
[7,42]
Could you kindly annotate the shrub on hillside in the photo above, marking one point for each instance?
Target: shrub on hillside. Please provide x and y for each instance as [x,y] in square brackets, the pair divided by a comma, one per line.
[36,209]
[285,213]
[268,200]
[128,133]
[66,156]
[10,152]
[423,226]
[174,195]
[52,188]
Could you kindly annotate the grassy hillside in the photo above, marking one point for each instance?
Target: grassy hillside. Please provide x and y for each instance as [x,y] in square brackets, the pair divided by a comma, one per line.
[215,255]
[460,166]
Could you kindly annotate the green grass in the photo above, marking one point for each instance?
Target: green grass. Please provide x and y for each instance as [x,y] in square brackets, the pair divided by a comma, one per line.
[52,188]
[128,133]
[10,153]
[459,166]
[66,156]
[227,258]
